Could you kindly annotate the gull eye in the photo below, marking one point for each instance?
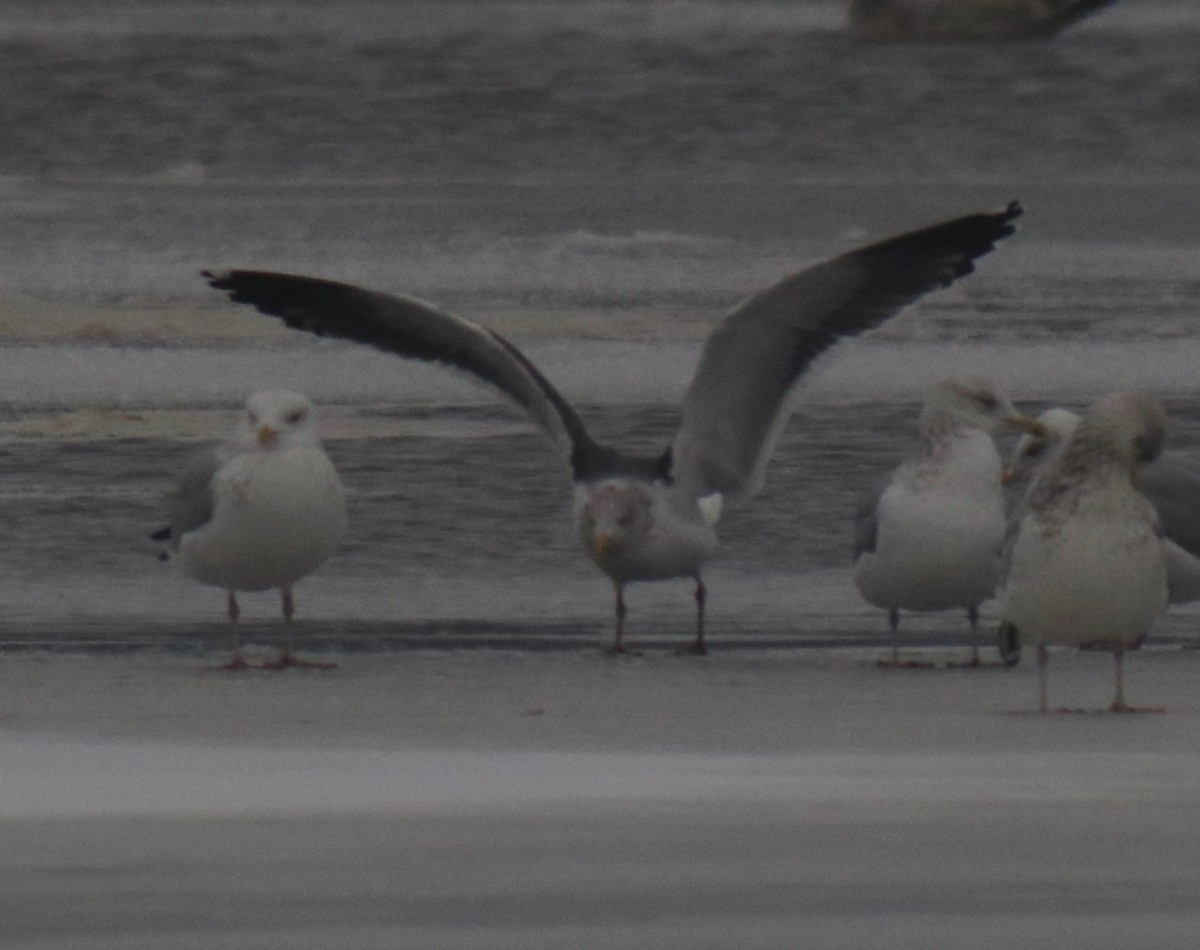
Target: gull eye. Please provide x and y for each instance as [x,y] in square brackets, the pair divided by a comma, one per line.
[295,416]
[1034,450]
[987,401]
[252,417]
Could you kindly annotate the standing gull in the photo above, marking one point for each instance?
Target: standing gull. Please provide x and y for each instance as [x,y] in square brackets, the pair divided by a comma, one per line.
[928,537]
[261,510]
[652,518]
[1171,482]
[1087,564]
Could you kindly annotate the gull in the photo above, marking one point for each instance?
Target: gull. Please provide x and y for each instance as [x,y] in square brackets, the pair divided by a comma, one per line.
[951,20]
[928,536]
[1171,482]
[260,511]
[1088,566]
[649,518]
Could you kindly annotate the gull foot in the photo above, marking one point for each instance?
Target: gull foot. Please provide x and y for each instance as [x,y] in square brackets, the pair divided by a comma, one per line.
[236,664]
[976,665]
[1134,710]
[288,660]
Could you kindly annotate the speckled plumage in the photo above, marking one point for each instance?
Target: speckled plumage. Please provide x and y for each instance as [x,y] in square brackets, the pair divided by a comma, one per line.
[1087,564]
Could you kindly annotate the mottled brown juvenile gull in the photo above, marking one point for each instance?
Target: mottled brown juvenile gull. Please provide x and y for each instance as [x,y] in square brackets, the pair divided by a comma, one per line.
[1171,482]
[260,511]
[928,536]
[653,518]
[1087,564]
[957,20]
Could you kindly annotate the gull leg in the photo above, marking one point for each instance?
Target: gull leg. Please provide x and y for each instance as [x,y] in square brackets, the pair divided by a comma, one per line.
[1118,704]
[288,657]
[894,625]
[973,617]
[618,644]
[236,662]
[698,646]
[1043,706]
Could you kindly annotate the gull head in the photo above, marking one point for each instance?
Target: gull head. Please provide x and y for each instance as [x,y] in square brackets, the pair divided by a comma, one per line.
[1039,444]
[966,402]
[614,518]
[277,419]
[1129,427]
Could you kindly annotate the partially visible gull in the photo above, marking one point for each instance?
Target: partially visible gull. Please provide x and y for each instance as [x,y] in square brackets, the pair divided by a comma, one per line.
[1171,482]
[261,510]
[1087,564]
[928,536]
[652,518]
[958,20]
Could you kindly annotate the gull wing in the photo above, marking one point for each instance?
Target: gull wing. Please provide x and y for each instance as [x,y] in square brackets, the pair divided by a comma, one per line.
[190,503]
[411,328]
[735,406]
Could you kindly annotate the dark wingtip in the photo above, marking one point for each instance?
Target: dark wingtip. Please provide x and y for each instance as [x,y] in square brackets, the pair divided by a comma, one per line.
[162,534]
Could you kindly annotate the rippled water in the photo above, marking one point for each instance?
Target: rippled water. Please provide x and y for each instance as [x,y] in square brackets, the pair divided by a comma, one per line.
[599,180]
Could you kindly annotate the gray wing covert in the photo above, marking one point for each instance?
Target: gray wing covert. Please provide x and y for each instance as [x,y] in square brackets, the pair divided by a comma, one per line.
[190,503]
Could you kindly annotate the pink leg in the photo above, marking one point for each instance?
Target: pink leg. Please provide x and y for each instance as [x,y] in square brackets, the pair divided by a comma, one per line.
[699,647]
[288,657]
[618,644]
[236,662]
[1043,706]
[1118,704]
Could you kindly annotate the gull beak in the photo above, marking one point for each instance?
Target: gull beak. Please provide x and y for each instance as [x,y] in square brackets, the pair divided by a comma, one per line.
[1008,476]
[602,545]
[1027,424]
[267,434]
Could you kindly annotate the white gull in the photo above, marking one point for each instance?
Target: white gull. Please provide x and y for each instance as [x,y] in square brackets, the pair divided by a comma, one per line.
[261,510]
[928,536]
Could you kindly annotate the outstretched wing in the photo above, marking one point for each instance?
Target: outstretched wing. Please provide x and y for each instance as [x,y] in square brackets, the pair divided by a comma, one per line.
[417,330]
[735,405]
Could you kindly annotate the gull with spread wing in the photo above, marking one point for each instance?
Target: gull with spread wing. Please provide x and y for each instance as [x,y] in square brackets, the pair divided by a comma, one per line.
[646,518]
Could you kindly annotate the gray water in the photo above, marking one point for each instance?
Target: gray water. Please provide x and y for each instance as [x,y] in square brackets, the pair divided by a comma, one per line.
[599,181]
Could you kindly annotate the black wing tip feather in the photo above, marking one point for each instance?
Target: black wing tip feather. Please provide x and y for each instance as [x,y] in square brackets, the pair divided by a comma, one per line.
[274,293]
[947,251]
[971,237]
